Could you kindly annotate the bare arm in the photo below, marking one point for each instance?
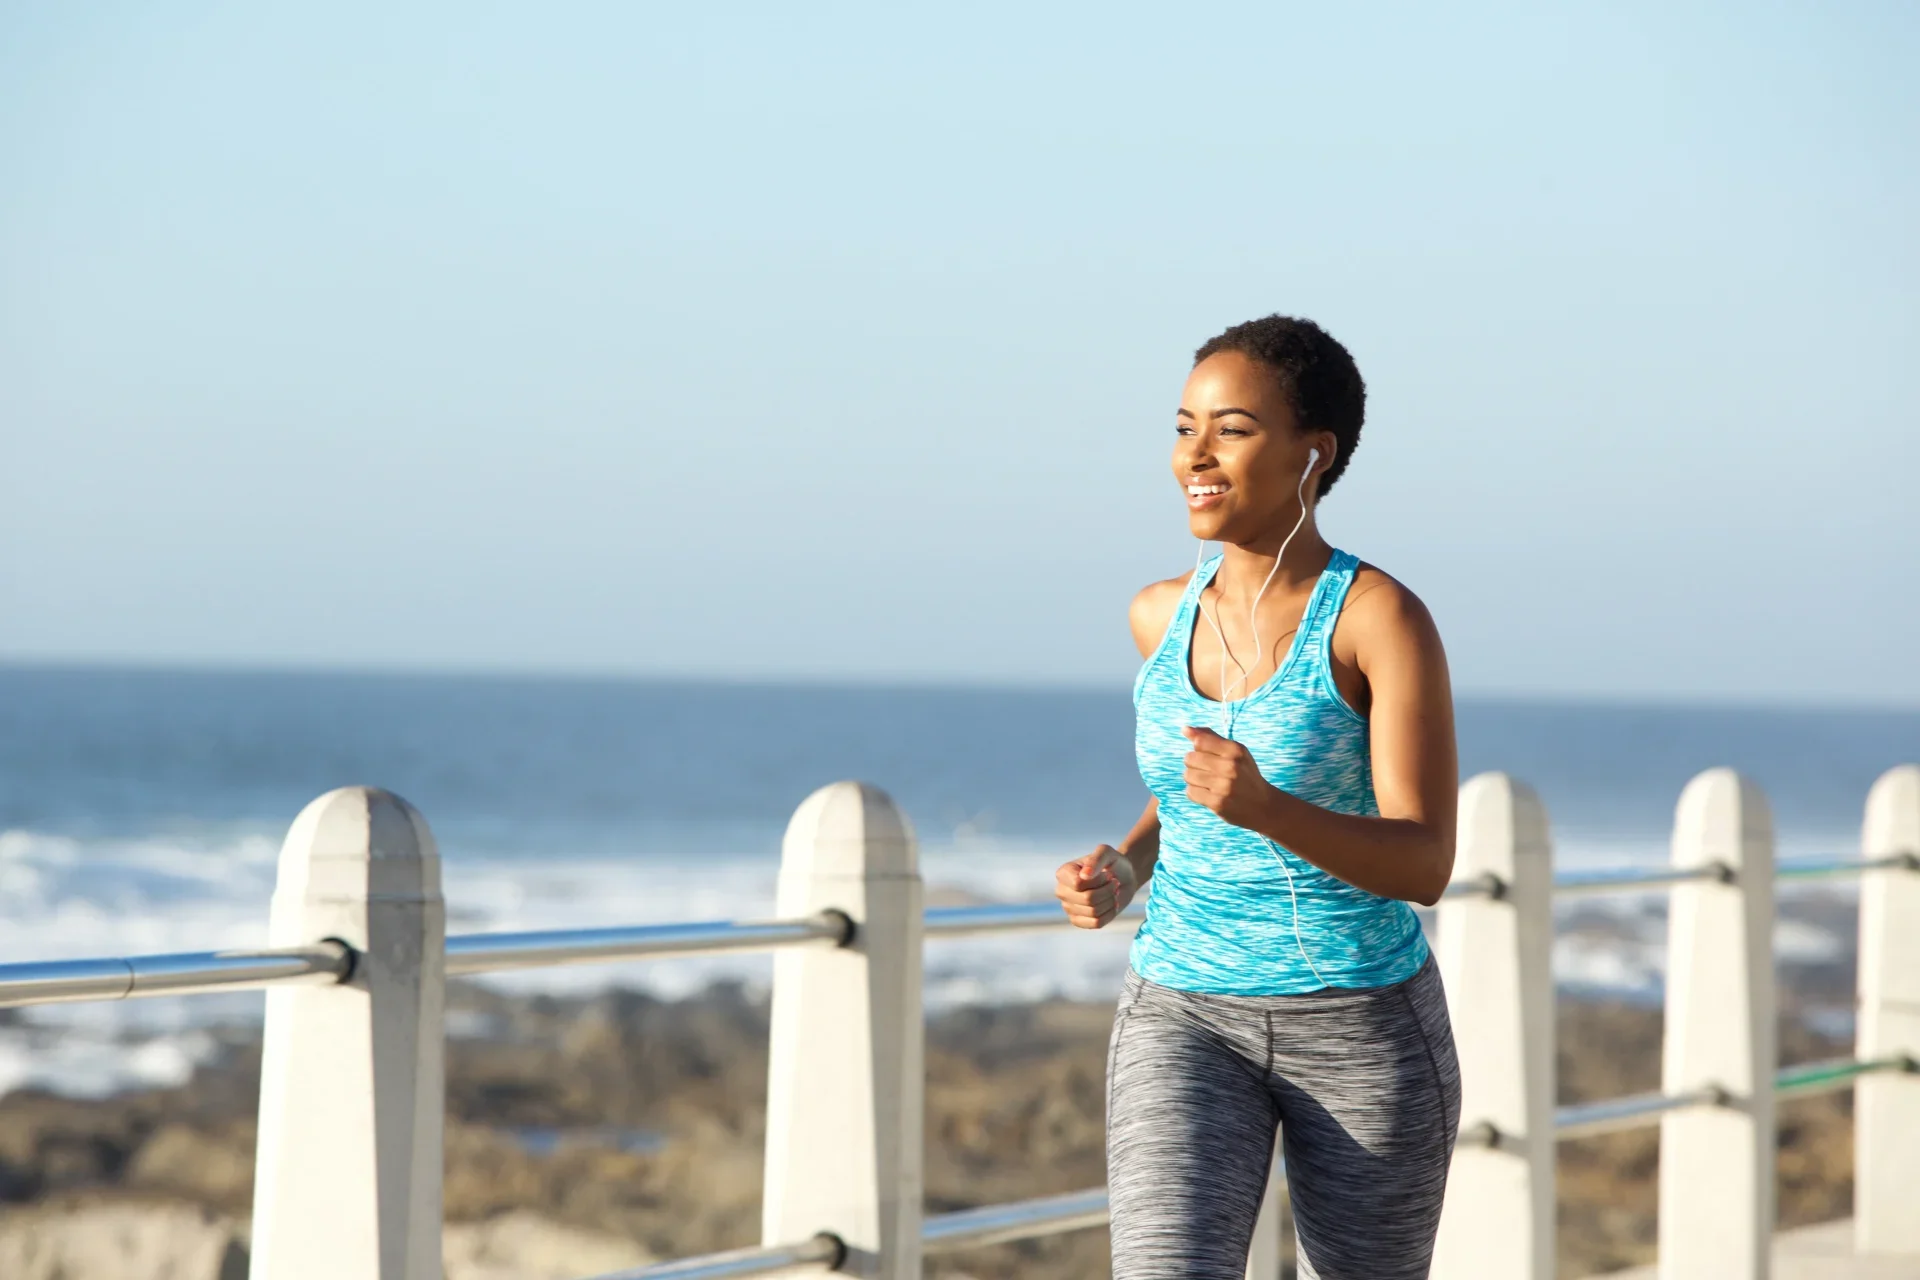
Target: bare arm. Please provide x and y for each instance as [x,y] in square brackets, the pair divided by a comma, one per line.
[1142,845]
[1094,889]
[1406,852]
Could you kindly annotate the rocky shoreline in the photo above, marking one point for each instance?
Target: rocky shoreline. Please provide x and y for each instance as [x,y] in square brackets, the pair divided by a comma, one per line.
[603,1131]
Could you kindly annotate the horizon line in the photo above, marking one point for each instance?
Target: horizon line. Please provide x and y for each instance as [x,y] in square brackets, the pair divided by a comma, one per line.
[1644,700]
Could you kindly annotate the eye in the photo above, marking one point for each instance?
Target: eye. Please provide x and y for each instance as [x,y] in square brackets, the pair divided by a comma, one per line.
[1182,429]
[1234,431]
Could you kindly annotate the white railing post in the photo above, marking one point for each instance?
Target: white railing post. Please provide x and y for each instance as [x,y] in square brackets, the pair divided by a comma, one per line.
[1717,1159]
[348,1170]
[1496,959]
[1886,1106]
[846,1073]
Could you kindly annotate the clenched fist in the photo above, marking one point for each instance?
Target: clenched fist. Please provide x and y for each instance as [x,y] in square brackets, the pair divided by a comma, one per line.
[1096,888]
[1222,776]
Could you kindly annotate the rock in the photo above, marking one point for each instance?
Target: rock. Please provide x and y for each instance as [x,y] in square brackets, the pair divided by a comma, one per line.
[134,1240]
[208,1167]
[128,1241]
[525,1246]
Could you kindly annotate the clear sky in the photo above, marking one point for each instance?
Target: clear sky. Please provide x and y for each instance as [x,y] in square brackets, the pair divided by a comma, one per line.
[835,341]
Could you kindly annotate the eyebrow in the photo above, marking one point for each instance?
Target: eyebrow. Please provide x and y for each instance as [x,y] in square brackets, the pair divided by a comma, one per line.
[1229,411]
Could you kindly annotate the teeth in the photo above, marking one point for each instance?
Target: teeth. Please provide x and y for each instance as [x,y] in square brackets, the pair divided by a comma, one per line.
[1201,490]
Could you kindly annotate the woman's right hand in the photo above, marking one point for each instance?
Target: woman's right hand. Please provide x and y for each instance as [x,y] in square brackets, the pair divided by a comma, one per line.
[1094,889]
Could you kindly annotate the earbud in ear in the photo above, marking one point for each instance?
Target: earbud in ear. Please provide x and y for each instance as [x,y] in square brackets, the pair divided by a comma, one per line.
[1313,456]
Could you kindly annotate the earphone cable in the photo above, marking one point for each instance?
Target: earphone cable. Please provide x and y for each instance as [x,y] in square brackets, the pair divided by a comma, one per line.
[1228,707]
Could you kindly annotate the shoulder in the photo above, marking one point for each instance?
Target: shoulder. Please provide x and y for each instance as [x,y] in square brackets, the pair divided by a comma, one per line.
[1152,609]
[1381,614]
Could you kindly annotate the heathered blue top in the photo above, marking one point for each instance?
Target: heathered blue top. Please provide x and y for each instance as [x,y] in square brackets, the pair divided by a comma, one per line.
[1220,918]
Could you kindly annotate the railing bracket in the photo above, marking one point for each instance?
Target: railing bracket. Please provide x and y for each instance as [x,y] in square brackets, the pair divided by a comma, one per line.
[348,955]
[843,922]
[839,1246]
[1484,1134]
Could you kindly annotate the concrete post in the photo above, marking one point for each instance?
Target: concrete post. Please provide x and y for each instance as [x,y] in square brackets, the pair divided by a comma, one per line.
[1496,958]
[1717,1161]
[352,1088]
[1886,1107]
[1269,1235]
[846,1075]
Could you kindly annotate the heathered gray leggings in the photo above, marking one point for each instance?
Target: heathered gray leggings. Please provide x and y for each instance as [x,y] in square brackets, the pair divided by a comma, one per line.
[1362,1085]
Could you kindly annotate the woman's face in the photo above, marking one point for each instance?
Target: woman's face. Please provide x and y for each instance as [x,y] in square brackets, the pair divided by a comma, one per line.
[1239,455]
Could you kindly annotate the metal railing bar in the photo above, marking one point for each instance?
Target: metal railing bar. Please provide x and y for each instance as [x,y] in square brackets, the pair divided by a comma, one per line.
[1821,866]
[1007,917]
[822,1253]
[1588,1119]
[1022,1220]
[1574,884]
[184,973]
[49,981]
[119,978]
[491,952]
[993,917]
[941,1233]
[1811,1078]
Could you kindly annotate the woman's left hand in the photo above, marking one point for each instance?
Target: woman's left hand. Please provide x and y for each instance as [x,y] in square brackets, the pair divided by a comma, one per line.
[1222,776]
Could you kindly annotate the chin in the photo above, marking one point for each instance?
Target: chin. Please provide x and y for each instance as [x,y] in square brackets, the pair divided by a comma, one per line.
[1207,526]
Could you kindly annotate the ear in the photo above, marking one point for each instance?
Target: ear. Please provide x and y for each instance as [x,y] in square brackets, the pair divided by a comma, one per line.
[1329,446]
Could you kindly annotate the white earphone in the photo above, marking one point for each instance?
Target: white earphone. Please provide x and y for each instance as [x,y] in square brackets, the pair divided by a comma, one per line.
[1226,704]
[1253,618]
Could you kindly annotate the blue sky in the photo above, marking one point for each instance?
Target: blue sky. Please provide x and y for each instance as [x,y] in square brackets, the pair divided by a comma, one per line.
[744,342]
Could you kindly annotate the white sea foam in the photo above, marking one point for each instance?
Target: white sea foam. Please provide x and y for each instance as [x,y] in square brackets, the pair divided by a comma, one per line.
[62,897]
[82,1062]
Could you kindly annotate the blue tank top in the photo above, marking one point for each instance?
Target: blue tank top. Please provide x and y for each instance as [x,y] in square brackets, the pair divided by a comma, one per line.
[1220,918]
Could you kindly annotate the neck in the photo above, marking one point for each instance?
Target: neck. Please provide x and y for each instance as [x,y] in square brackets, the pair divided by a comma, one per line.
[1245,566]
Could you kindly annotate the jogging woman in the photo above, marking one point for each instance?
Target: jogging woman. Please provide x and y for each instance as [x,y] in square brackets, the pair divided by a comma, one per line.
[1294,726]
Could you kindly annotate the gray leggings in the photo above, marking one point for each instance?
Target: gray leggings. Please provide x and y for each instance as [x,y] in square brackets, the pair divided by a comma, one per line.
[1362,1085]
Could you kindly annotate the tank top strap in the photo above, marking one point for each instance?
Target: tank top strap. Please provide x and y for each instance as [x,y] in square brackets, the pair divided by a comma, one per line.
[1329,594]
[1179,636]
[1197,584]
[1171,653]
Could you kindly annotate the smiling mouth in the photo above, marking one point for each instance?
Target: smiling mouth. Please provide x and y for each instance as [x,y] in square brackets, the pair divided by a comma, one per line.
[1205,490]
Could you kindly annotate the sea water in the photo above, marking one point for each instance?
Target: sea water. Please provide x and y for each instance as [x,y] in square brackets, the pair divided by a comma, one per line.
[141,811]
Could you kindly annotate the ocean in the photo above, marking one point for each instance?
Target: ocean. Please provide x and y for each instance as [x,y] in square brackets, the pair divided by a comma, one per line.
[141,811]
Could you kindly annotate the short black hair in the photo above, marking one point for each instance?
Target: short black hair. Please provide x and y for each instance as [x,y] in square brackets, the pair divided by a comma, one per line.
[1317,375]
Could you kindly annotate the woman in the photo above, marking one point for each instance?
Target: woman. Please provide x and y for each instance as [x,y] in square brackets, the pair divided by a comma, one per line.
[1294,726]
